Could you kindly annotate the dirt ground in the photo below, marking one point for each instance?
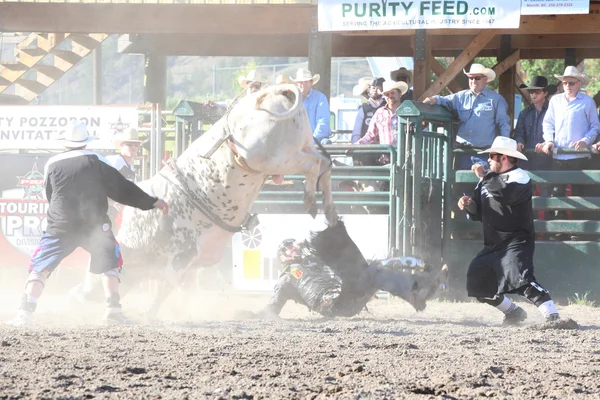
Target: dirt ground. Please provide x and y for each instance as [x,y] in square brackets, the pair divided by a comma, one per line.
[199,350]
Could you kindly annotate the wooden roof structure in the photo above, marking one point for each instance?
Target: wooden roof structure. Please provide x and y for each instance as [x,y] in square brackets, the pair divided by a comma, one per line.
[288,28]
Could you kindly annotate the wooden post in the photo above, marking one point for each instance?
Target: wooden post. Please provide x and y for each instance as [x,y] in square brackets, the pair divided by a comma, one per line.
[319,56]
[422,51]
[507,79]
[570,57]
[155,79]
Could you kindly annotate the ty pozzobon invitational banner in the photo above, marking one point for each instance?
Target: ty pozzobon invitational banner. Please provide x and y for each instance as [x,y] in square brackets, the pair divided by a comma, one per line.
[349,15]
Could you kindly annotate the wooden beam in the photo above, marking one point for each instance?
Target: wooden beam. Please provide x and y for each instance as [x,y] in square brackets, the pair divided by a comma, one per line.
[524,93]
[546,41]
[529,54]
[507,63]
[246,19]
[438,69]
[507,72]
[243,19]
[463,59]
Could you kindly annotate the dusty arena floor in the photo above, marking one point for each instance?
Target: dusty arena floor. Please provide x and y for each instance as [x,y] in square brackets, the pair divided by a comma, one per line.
[452,350]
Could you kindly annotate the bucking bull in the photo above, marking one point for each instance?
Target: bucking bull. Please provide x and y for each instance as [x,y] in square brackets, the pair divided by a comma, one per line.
[211,187]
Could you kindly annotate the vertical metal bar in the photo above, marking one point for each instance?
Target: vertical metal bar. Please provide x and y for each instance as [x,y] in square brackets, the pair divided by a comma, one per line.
[214,79]
[152,140]
[408,169]
[160,139]
[403,128]
[447,187]
[97,74]
[416,195]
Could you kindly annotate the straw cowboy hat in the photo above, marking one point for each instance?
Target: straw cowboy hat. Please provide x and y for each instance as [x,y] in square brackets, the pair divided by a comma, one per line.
[390,85]
[76,135]
[303,75]
[128,135]
[478,69]
[506,146]
[281,80]
[539,83]
[573,72]
[253,76]
[363,86]
[400,72]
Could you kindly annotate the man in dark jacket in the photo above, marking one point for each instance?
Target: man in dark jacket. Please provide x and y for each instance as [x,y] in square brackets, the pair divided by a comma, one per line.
[78,183]
[329,275]
[529,131]
[502,202]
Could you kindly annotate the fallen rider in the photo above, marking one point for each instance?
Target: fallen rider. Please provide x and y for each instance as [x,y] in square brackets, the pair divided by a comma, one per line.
[329,275]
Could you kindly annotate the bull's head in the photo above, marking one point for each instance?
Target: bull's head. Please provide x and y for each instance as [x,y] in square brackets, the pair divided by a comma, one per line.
[425,287]
[426,282]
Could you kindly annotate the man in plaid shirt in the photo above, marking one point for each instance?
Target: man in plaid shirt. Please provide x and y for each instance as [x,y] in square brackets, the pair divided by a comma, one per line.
[383,128]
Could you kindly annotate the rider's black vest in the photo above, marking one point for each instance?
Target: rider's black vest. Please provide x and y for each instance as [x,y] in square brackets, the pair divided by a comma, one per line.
[369,110]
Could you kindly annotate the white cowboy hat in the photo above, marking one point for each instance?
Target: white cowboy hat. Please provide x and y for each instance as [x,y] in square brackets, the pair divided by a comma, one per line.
[363,86]
[573,72]
[396,74]
[303,75]
[76,135]
[128,135]
[281,80]
[478,69]
[253,76]
[506,146]
[391,85]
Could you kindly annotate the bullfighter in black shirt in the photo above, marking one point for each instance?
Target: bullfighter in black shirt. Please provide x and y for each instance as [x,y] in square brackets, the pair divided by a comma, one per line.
[502,202]
[78,183]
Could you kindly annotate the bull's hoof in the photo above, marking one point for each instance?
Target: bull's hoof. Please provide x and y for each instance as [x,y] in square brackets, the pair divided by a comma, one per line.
[313,210]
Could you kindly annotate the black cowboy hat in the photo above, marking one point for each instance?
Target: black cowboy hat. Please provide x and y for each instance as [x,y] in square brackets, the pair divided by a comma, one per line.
[540,82]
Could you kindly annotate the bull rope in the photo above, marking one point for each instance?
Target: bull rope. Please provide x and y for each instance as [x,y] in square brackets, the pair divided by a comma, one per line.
[215,219]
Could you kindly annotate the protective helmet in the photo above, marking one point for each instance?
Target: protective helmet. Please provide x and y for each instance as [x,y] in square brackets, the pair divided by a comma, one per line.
[283,248]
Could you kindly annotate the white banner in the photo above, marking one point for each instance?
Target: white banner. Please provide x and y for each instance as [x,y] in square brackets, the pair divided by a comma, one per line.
[361,15]
[40,127]
[546,7]
[255,264]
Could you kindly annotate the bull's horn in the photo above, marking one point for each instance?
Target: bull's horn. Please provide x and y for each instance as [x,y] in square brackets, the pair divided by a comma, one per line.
[289,113]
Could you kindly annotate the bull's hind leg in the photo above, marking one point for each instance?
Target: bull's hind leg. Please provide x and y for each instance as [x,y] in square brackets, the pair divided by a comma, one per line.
[172,276]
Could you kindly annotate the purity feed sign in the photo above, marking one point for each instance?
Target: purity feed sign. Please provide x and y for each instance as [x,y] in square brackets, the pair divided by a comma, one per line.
[546,7]
[348,15]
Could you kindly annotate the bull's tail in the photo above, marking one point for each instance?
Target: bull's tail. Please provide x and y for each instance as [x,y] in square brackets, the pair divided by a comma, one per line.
[287,91]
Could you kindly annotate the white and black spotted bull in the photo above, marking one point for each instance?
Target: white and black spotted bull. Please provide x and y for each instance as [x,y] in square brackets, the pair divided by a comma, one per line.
[211,187]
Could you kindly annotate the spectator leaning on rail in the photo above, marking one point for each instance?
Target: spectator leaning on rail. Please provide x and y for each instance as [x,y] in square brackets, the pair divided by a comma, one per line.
[529,131]
[78,183]
[383,128]
[403,75]
[482,113]
[315,102]
[570,122]
[372,90]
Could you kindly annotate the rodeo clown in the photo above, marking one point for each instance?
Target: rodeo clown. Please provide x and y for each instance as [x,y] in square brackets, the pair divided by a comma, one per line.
[502,202]
[78,183]
[329,275]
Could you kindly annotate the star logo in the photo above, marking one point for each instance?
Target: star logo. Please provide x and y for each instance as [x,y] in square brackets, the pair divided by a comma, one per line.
[32,183]
[119,126]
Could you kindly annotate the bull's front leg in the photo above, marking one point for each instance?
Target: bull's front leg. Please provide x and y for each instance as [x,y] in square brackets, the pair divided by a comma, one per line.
[325,184]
